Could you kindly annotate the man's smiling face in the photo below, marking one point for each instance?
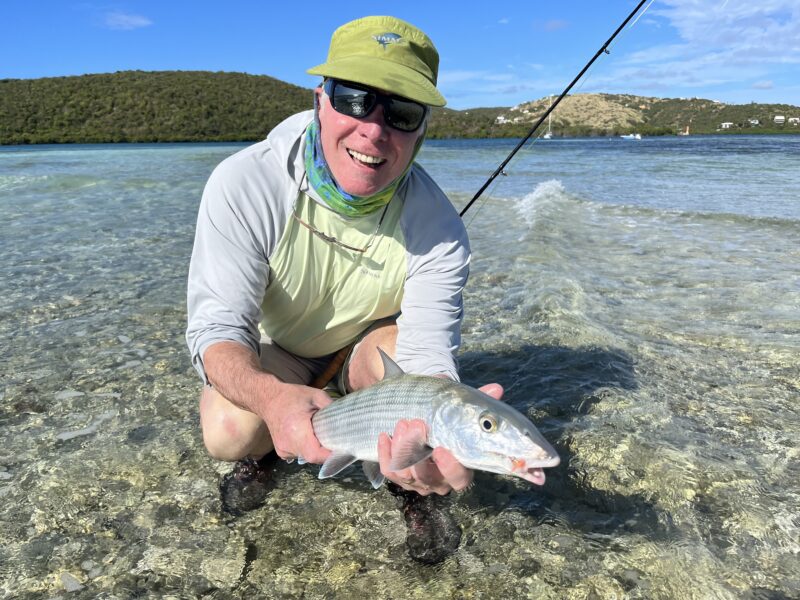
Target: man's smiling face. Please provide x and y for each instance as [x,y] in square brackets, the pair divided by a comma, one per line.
[364,155]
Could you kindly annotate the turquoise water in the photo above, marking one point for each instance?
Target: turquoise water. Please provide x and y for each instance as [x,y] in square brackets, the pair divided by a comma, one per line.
[640,300]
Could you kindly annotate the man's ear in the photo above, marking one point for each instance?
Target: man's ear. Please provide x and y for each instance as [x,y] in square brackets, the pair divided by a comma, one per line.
[318,91]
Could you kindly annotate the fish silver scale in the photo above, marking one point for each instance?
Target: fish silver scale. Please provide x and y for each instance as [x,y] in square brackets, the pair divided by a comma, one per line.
[355,422]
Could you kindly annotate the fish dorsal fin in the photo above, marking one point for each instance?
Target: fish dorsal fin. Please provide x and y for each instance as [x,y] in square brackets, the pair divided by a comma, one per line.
[390,368]
[373,472]
[336,463]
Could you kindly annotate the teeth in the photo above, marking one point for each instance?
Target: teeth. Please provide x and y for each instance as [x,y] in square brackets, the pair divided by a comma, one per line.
[370,160]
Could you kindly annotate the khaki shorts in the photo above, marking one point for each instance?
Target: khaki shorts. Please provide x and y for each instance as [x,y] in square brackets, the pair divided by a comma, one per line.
[291,368]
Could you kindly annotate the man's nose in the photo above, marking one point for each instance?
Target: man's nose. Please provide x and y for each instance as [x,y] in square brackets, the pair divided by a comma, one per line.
[374,126]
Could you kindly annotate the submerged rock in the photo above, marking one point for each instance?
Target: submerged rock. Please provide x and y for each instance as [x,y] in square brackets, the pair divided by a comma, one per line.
[246,487]
[71,583]
[433,534]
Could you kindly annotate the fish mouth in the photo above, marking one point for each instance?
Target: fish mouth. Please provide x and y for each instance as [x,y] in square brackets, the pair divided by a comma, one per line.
[535,476]
[533,470]
[529,469]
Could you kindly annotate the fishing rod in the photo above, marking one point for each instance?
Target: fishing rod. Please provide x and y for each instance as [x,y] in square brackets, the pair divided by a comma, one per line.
[603,49]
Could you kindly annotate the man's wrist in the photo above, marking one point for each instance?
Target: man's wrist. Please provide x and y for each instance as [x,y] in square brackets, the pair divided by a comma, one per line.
[234,370]
[268,389]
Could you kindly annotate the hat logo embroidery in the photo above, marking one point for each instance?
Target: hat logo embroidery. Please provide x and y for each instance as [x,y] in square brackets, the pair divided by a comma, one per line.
[385,39]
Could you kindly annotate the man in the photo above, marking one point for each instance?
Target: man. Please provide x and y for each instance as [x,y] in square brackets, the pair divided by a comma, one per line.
[319,236]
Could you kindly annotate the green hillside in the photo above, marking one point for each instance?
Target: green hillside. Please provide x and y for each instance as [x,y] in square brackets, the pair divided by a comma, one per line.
[136,106]
[190,106]
[706,116]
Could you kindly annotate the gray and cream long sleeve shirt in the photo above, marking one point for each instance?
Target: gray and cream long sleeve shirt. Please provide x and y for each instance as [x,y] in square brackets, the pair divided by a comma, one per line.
[255,268]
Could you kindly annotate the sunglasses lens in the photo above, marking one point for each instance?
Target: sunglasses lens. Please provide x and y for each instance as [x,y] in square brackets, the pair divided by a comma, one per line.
[405,115]
[351,101]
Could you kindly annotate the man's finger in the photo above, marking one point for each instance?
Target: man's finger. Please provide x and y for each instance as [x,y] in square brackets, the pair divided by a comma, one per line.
[320,400]
[384,449]
[453,472]
[315,454]
[385,454]
[429,479]
[495,390]
[406,478]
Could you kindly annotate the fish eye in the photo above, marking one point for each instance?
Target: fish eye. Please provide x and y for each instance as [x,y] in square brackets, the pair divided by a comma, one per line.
[488,423]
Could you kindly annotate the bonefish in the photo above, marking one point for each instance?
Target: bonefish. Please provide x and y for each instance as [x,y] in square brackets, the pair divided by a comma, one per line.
[481,432]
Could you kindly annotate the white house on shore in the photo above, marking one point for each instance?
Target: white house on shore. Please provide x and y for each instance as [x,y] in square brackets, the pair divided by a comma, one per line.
[726,125]
[779,120]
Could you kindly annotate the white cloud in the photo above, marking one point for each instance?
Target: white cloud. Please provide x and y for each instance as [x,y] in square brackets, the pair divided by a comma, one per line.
[721,42]
[734,50]
[736,29]
[488,88]
[124,21]
[503,21]
[499,77]
[455,77]
[555,25]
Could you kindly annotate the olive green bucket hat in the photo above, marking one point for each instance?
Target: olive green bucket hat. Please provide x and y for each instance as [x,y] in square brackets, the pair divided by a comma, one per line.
[385,53]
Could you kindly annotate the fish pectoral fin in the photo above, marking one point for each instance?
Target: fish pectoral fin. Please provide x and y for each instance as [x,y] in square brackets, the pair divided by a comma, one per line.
[412,450]
[373,472]
[335,464]
[390,368]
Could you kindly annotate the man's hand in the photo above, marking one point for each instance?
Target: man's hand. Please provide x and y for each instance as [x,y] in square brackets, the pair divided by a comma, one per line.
[288,417]
[439,474]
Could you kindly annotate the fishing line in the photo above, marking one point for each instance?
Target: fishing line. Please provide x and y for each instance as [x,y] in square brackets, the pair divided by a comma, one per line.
[603,49]
[587,77]
[588,74]
[477,210]
[646,8]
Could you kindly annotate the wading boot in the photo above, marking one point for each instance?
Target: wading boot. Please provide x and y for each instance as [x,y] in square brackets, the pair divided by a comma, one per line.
[247,485]
[433,533]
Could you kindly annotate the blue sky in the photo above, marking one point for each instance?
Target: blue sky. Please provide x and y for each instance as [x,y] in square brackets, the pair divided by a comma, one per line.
[492,53]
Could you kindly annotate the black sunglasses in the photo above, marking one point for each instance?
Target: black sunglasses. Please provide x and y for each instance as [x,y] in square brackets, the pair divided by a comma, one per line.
[358,101]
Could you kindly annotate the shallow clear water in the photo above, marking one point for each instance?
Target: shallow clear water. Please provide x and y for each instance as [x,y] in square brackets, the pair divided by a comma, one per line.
[640,300]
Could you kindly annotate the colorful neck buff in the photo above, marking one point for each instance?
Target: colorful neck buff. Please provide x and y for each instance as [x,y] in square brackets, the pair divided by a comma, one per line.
[321,179]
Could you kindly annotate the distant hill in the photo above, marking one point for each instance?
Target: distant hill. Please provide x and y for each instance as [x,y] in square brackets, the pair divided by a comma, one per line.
[190,106]
[615,114]
[137,106]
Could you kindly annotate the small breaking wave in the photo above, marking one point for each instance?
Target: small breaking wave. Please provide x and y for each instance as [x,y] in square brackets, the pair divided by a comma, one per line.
[550,201]
[544,198]
[49,183]
[10,183]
